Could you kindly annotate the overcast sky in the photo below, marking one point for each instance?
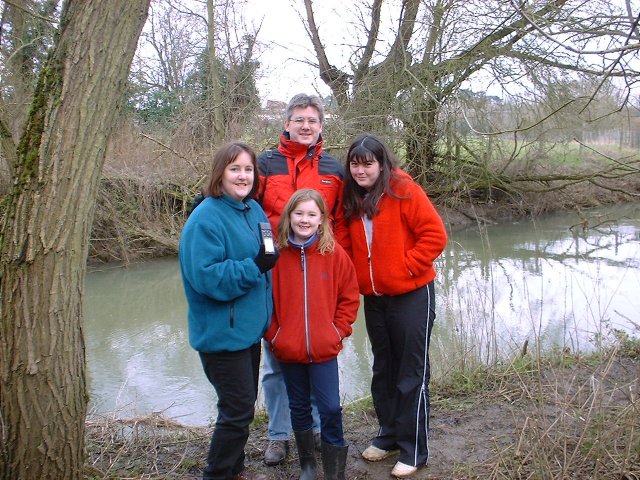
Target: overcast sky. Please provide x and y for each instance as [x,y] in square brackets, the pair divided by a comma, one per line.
[282,74]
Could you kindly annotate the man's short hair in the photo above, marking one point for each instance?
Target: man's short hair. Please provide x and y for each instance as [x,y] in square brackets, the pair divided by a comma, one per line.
[302,100]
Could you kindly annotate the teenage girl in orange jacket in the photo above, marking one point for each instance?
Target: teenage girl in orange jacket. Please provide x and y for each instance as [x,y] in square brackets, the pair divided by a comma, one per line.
[394,236]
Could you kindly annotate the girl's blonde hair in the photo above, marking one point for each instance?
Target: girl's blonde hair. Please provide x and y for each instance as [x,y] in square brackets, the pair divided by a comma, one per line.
[326,242]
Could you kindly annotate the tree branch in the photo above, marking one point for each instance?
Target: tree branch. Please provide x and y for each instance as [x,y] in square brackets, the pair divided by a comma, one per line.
[399,52]
[625,48]
[8,148]
[374,28]
[488,42]
[29,12]
[337,80]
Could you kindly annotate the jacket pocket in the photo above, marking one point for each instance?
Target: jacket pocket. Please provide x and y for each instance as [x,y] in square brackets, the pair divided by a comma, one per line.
[275,337]
[337,332]
[330,192]
[277,194]
[328,344]
[232,314]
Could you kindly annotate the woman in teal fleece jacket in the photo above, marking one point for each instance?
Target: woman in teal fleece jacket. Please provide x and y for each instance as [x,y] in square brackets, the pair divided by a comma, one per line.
[225,272]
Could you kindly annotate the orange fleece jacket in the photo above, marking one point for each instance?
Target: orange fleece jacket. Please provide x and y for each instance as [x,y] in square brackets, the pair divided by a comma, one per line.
[408,235]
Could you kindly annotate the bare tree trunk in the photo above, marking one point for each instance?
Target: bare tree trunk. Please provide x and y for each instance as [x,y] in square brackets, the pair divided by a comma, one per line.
[14,15]
[421,138]
[45,238]
[7,147]
[215,87]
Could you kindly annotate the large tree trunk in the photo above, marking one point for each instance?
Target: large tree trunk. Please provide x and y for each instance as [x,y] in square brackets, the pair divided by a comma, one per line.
[45,237]
[421,139]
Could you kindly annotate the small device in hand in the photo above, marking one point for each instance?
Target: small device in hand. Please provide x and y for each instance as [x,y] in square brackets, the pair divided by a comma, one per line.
[267,238]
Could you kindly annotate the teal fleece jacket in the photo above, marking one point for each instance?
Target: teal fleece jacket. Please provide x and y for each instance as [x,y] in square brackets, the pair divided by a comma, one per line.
[229,300]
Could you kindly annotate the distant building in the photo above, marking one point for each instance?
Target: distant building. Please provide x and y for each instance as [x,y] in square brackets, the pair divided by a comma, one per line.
[274,110]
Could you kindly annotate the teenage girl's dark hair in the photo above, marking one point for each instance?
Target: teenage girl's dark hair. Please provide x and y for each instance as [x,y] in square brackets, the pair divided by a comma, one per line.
[223,157]
[356,200]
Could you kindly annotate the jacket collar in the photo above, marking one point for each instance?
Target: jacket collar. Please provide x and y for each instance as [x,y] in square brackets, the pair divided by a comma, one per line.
[292,149]
[307,244]
[238,205]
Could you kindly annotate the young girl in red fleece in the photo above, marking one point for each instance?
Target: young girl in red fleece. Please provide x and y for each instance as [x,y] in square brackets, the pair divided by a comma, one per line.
[316,300]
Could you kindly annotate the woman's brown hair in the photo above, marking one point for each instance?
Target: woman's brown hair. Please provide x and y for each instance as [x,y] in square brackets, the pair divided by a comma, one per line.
[223,157]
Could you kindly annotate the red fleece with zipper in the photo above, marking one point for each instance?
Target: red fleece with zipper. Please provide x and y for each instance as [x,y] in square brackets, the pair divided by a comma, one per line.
[295,166]
[408,235]
[316,301]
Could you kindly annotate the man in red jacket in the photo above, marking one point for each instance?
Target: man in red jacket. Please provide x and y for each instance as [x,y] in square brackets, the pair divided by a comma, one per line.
[298,162]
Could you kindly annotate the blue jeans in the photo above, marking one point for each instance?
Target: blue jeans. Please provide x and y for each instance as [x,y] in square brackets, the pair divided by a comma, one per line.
[276,399]
[321,379]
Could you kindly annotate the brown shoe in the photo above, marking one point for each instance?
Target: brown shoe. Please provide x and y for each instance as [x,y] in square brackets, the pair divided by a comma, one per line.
[244,475]
[276,452]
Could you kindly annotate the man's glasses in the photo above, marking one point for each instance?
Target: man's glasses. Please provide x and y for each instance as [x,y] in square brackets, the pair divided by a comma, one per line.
[299,121]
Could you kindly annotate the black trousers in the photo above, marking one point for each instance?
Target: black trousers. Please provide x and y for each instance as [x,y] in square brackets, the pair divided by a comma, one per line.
[234,376]
[399,329]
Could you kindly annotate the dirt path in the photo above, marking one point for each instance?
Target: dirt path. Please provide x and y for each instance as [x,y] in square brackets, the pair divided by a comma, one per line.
[465,436]
[524,420]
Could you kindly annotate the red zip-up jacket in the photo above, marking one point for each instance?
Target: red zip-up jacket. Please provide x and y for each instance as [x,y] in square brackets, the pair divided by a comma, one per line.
[294,166]
[316,301]
[408,235]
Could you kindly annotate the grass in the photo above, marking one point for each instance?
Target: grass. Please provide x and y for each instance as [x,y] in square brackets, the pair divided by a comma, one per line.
[142,447]
[554,155]
[260,417]
[579,430]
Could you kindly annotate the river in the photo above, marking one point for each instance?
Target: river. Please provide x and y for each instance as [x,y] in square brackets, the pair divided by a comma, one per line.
[547,284]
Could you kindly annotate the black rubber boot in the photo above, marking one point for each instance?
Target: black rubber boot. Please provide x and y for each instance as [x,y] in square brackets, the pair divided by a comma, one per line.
[306,448]
[334,461]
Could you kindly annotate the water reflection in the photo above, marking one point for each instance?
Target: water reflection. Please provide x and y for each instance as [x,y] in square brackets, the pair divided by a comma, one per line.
[139,358]
[550,282]
[541,282]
